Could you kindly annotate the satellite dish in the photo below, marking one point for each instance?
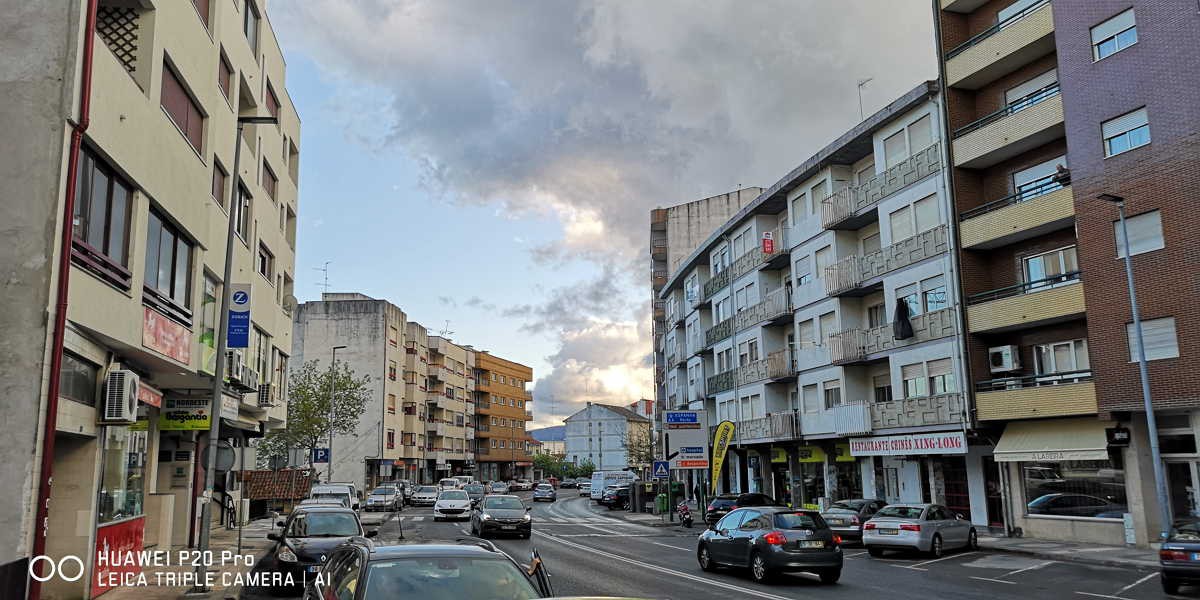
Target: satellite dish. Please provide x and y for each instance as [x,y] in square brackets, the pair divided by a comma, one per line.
[290,303]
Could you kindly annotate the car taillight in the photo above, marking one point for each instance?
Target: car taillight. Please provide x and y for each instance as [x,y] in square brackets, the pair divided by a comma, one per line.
[1172,555]
[732,506]
[837,540]
[775,538]
[869,526]
[909,527]
[712,507]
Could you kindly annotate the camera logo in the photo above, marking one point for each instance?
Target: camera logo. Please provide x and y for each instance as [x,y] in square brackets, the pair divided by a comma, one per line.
[60,568]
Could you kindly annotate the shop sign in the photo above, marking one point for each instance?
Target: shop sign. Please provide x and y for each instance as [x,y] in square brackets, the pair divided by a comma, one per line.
[843,453]
[918,443]
[148,395]
[229,407]
[1117,436]
[165,336]
[184,414]
[113,543]
[810,454]
[239,316]
[778,455]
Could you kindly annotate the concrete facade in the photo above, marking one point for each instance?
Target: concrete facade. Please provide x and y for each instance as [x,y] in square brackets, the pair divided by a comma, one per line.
[599,433]
[503,408]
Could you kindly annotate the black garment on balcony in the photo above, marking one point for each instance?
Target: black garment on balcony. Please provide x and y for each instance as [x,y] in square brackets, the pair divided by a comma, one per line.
[901,326]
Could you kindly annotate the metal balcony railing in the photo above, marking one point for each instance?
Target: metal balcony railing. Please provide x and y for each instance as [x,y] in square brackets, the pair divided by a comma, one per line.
[1024,288]
[990,31]
[1029,381]
[717,283]
[718,332]
[1016,106]
[1039,187]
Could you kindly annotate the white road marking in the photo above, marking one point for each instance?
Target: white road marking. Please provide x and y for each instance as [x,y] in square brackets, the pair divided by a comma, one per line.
[855,554]
[664,570]
[1100,595]
[908,567]
[1034,567]
[994,580]
[929,562]
[670,546]
[605,535]
[1137,583]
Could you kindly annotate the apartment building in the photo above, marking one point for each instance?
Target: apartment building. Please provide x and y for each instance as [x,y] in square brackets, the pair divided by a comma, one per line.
[822,319]
[450,408]
[503,407]
[1051,105]
[601,433]
[152,187]
[414,409]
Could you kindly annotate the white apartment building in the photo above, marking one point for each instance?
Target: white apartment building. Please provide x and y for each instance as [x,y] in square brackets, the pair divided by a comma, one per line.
[823,320]
[599,433]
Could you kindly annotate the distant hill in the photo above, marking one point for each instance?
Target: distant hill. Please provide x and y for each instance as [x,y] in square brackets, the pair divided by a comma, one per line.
[557,433]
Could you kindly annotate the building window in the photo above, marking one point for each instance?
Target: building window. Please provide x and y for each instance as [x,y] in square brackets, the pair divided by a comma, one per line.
[803,270]
[241,214]
[102,204]
[501,444]
[1114,35]
[894,150]
[77,379]
[941,377]
[1145,233]
[269,180]
[122,474]
[925,211]
[914,380]
[168,261]
[272,102]
[833,393]
[1061,357]
[391,439]
[933,293]
[391,404]
[392,370]
[260,342]
[1076,488]
[408,439]
[1038,180]
[266,262]
[1050,268]
[183,110]
[1160,339]
[218,183]
[496,421]
[209,301]
[250,23]
[1126,132]
[225,77]
[202,10]
[876,315]
[883,388]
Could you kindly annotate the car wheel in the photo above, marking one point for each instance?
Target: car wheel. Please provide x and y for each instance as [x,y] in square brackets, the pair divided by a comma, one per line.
[829,576]
[706,562]
[759,570]
[972,540]
[1169,586]
[935,546]
[875,552]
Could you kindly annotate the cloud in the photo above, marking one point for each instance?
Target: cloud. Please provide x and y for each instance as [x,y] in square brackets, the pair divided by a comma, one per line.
[480,303]
[448,301]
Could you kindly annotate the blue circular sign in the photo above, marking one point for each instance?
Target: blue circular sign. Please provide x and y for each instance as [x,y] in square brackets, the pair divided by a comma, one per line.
[240,297]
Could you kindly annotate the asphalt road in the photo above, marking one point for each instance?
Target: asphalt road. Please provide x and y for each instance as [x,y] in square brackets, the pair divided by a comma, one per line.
[592,553]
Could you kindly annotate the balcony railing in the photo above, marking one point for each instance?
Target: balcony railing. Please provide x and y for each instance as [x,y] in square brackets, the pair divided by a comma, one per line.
[942,409]
[529,415]
[756,257]
[775,305]
[777,365]
[658,219]
[1016,106]
[1030,381]
[838,209]
[718,332]
[990,31]
[853,345]
[1032,190]
[1024,288]
[851,419]
[776,427]
[658,278]
[658,248]
[715,284]
[850,272]
[720,382]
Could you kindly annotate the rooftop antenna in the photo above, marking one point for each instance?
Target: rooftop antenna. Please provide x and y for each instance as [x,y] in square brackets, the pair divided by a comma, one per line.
[861,83]
[445,332]
[325,284]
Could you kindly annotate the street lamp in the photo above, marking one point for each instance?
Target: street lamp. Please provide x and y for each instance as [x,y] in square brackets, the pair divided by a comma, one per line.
[218,380]
[332,390]
[1160,481]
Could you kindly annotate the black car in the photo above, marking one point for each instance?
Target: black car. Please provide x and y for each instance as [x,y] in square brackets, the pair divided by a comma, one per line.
[616,498]
[770,540]
[721,505]
[463,570]
[308,535]
[567,483]
[846,517]
[475,491]
[499,514]
[1180,556]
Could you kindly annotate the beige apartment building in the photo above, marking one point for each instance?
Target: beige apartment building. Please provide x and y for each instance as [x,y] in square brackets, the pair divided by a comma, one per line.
[451,409]
[153,181]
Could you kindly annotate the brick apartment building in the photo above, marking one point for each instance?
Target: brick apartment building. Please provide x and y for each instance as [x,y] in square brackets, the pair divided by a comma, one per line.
[502,408]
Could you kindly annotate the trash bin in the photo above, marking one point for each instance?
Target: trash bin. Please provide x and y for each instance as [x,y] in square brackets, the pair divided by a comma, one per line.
[660,504]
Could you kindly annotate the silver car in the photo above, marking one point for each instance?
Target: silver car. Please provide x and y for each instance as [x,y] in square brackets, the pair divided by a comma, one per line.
[931,528]
[425,495]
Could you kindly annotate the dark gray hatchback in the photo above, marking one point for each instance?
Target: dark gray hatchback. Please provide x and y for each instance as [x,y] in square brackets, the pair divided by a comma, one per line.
[1180,556]
[770,540]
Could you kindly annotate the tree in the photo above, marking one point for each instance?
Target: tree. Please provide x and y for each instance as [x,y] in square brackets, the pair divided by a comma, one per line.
[638,446]
[308,415]
[583,469]
[550,465]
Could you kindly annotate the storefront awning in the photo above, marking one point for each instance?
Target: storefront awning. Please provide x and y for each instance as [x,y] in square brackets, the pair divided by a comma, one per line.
[245,429]
[1062,439]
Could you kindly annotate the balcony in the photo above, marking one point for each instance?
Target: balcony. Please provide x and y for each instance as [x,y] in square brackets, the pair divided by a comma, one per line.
[809,356]
[757,257]
[961,6]
[436,427]
[777,366]
[1029,304]
[851,419]
[658,249]
[775,308]
[658,278]
[1036,396]
[1044,207]
[718,332]
[660,309]
[847,276]
[715,284]
[853,206]
[1001,48]
[721,382]
[857,345]
[675,352]
[529,415]
[1012,130]
[942,409]
[658,219]
[778,427]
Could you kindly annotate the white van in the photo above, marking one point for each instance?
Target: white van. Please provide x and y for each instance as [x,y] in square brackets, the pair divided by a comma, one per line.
[464,480]
[449,483]
[602,479]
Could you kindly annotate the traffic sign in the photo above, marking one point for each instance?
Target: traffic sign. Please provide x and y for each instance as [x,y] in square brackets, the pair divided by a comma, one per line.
[662,469]
[687,438]
[320,455]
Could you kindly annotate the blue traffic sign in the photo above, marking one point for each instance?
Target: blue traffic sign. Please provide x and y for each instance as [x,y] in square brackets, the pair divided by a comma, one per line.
[320,455]
[662,469]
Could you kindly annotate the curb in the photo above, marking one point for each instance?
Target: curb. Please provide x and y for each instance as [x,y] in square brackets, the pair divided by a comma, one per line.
[1072,557]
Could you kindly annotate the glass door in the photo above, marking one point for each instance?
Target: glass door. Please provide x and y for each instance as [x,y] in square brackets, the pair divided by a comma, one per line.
[1183,479]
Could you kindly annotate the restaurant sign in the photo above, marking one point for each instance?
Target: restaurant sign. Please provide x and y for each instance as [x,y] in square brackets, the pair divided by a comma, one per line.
[953,442]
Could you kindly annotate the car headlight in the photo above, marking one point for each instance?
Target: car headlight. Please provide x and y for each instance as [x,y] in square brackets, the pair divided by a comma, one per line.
[486,517]
[286,555]
[528,517]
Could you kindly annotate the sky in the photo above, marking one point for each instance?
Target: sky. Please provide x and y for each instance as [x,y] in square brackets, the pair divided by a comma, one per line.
[489,166]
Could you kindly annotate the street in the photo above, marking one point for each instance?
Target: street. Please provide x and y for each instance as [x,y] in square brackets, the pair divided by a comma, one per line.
[591,552]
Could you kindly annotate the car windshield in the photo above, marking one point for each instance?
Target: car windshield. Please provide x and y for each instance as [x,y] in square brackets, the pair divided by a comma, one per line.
[474,489]
[496,486]
[453,495]
[427,489]
[448,578]
[1186,532]
[332,498]
[384,490]
[323,524]
[503,503]
[448,482]
[799,521]
[901,512]
[852,505]
[544,488]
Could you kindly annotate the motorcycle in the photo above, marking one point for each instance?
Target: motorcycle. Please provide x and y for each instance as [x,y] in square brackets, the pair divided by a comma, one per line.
[685,514]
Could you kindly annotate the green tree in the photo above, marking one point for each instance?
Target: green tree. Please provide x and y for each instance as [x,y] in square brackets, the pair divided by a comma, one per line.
[583,469]
[310,390]
[638,446]
[550,465]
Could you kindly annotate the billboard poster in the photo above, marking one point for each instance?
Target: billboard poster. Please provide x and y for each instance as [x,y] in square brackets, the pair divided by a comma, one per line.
[239,316]
[184,414]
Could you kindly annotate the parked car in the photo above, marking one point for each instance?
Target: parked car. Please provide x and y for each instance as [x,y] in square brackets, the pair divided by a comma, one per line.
[567,483]
[1075,505]
[452,504]
[498,487]
[501,514]
[723,504]
[1180,556]
[350,488]
[928,528]
[337,501]
[616,498]
[334,493]
[475,491]
[306,538]
[449,483]
[385,498]
[585,488]
[846,517]
[771,540]
[469,570]
[406,488]
[425,495]
[544,491]
[521,485]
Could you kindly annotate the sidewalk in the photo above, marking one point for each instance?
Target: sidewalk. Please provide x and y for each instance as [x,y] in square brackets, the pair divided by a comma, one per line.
[1117,556]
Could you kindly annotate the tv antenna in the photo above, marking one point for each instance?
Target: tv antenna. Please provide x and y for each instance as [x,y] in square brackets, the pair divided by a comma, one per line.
[324,269]
[861,83]
[445,332]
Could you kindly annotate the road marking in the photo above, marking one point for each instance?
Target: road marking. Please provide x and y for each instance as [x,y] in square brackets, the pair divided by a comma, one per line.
[606,535]
[908,567]
[650,567]
[994,580]
[855,554]
[670,546]
[1034,567]
[1137,583]
[929,562]
[1100,595]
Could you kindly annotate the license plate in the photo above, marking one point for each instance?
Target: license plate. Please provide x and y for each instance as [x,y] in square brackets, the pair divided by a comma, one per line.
[837,521]
[312,568]
[811,544]
[508,527]
[889,532]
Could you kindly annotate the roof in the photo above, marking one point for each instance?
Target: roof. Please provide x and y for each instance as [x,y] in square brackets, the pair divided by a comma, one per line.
[621,410]
[284,484]
[436,548]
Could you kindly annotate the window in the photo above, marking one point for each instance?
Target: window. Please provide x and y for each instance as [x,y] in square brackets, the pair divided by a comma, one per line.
[833,393]
[827,325]
[181,108]
[1126,132]
[920,134]
[1076,488]
[941,376]
[807,335]
[1114,35]
[260,342]
[279,372]
[914,380]
[1145,233]
[809,398]
[926,212]
[933,292]
[77,379]
[824,258]
[502,443]
[871,244]
[494,444]
[225,77]
[798,211]
[272,102]
[876,315]
[865,174]
[818,193]
[908,295]
[803,270]
[883,388]
[209,301]
[266,262]
[724,360]
[202,10]
[1048,269]
[1038,179]
[218,183]
[408,439]
[269,180]
[250,23]
[739,245]
[1061,357]
[901,224]
[1032,91]
[392,370]
[241,213]
[1008,12]
[168,261]
[1160,339]
[894,150]
[122,474]
[102,203]
[393,335]
[391,404]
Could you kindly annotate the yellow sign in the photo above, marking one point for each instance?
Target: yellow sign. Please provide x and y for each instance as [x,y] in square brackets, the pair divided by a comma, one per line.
[778,455]
[142,424]
[721,439]
[184,414]
[810,454]
[843,453]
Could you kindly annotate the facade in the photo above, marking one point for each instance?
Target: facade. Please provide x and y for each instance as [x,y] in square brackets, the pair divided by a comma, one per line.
[451,387]
[823,320]
[502,409]
[552,447]
[151,211]
[600,434]
[1052,104]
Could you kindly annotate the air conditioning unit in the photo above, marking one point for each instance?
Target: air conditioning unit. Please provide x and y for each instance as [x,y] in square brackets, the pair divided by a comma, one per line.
[266,396]
[120,397]
[234,366]
[1003,359]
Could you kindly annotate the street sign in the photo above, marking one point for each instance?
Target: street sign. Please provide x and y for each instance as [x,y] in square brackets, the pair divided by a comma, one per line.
[239,316]
[687,438]
[662,469]
[320,455]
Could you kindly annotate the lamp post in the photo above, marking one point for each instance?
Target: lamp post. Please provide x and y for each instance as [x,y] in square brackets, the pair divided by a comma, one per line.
[332,392]
[218,380]
[1160,480]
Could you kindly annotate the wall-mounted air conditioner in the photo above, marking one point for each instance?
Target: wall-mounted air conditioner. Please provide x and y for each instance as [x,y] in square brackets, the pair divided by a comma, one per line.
[120,397]
[249,379]
[1003,359]
[266,398]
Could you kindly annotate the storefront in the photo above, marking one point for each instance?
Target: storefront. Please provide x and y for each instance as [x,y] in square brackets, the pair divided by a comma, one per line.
[120,519]
[938,467]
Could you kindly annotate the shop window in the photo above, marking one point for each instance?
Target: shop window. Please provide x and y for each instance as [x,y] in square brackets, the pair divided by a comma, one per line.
[122,474]
[1087,488]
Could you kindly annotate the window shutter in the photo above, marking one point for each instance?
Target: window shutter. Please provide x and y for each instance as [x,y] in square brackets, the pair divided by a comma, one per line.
[901,224]
[1160,339]
[1145,233]
[1125,122]
[927,214]
[1113,26]
[894,150]
[916,371]
[939,367]
[920,134]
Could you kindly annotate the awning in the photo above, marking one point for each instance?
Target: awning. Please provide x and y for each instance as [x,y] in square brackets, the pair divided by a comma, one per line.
[245,429]
[1060,439]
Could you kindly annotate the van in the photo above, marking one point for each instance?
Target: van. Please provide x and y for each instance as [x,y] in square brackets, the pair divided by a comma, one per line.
[335,491]
[449,483]
[601,480]
[465,479]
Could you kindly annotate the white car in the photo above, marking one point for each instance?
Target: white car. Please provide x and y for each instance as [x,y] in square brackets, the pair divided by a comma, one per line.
[452,504]
[449,484]
[425,495]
